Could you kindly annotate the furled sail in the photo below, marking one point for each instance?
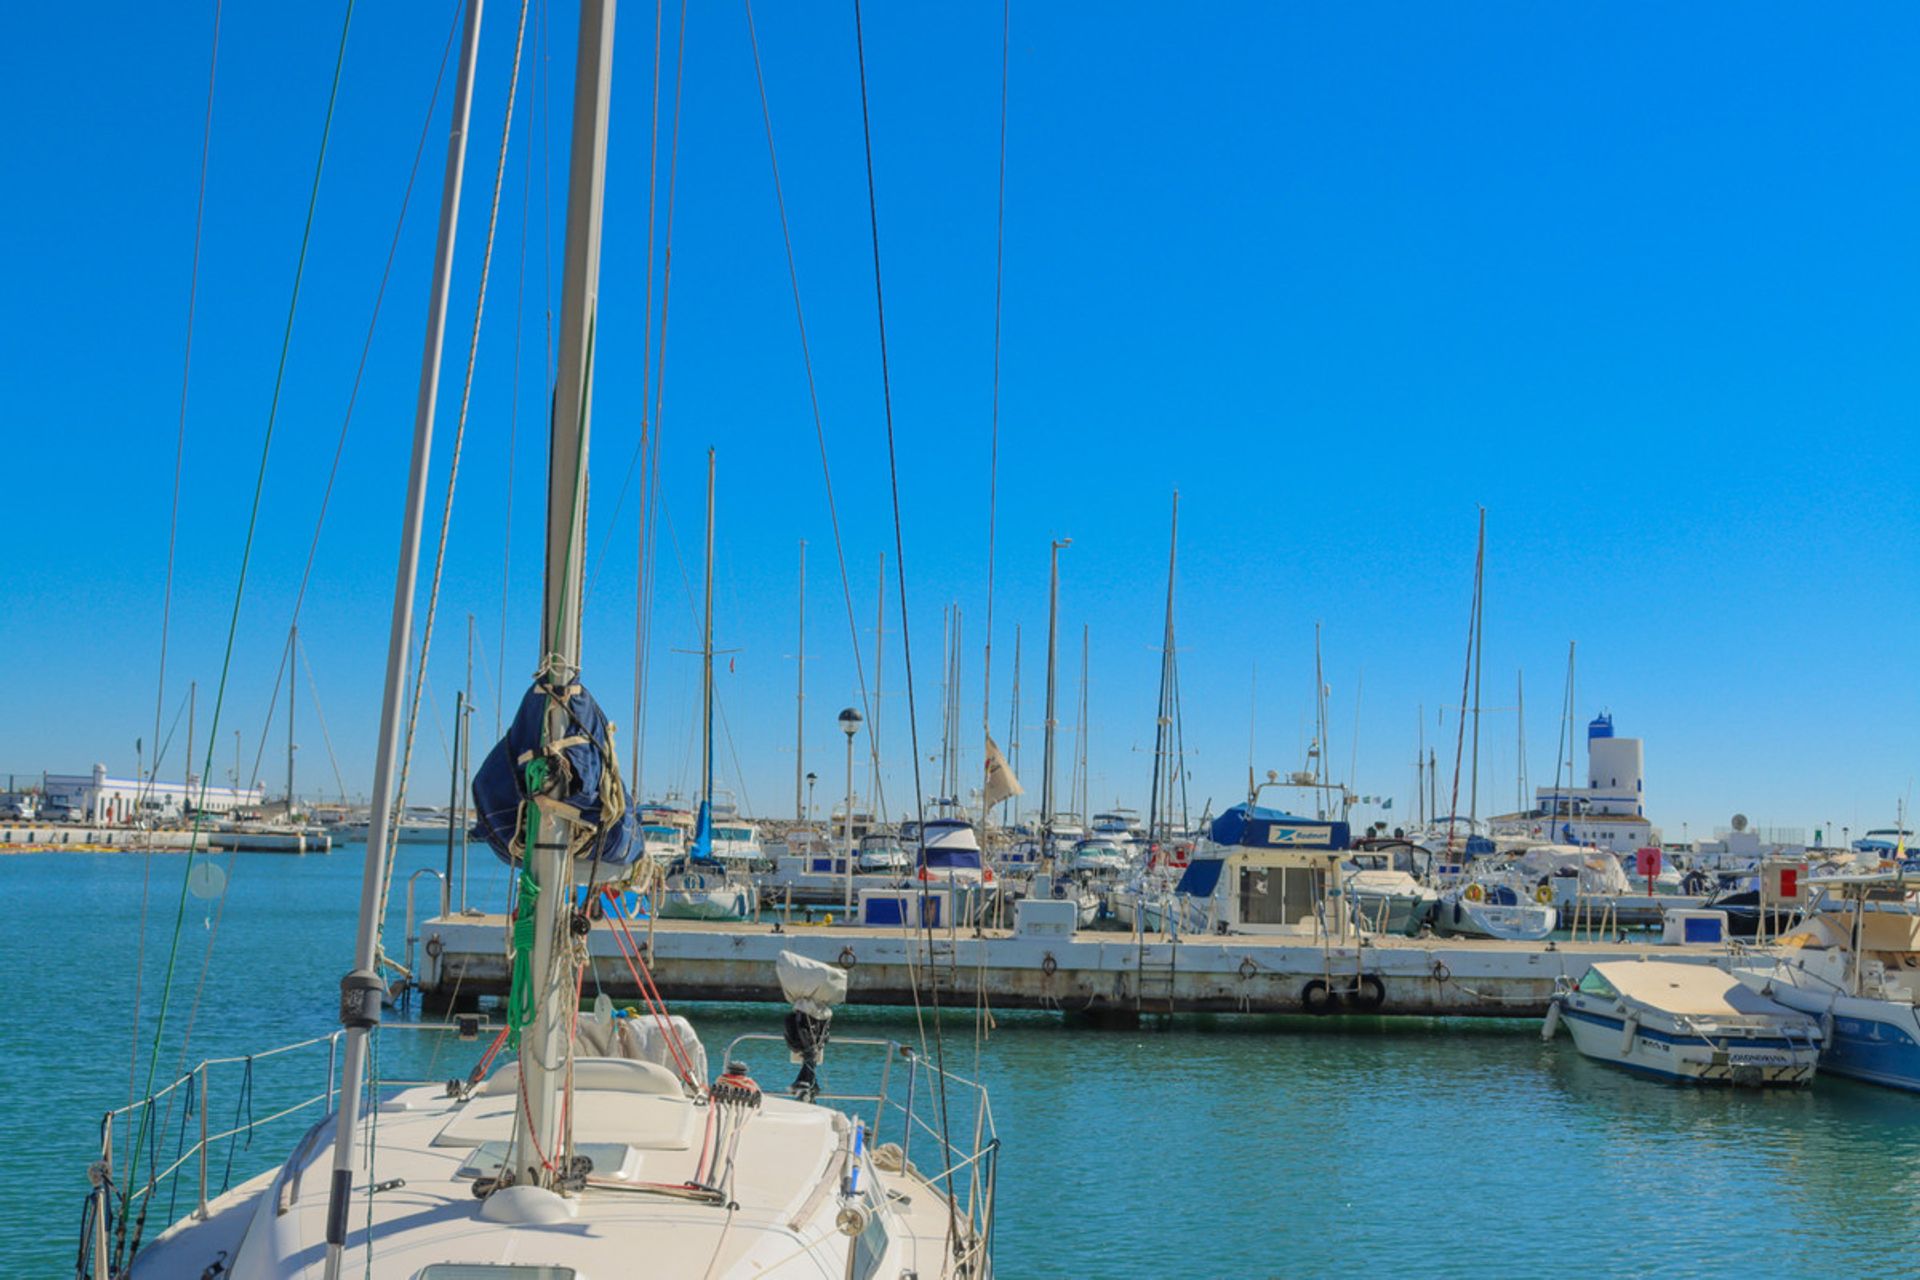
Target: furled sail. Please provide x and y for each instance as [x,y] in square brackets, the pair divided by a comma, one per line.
[580,788]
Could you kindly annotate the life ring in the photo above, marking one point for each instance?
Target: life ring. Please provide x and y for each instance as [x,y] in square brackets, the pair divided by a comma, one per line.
[846,957]
[1474,893]
[1048,965]
[1316,997]
[1544,894]
[1369,993]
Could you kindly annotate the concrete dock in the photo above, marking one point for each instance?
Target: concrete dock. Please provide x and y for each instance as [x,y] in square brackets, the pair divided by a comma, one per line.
[23,837]
[1102,975]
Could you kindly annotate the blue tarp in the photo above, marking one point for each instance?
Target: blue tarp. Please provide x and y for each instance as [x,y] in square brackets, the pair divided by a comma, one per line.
[1201,877]
[1258,828]
[500,788]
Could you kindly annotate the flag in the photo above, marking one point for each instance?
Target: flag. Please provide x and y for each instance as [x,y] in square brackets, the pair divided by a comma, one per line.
[1387,803]
[1001,783]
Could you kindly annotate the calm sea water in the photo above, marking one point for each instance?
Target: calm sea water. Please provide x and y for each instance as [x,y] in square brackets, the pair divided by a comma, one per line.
[1220,1147]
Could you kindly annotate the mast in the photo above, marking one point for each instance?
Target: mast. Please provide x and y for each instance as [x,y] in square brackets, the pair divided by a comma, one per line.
[186,796]
[1520,748]
[293,682]
[1163,716]
[1083,729]
[800,697]
[703,835]
[1420,766]
[361,990]
[1319,729]
[1013,729]
[1053,654]
[1479,617]
[543,1044]
[873,721]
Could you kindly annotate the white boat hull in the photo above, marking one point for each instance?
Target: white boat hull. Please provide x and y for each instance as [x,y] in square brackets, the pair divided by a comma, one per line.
[1671,1054]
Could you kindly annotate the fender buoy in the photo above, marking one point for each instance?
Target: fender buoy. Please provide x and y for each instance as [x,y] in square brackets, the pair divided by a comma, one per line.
[1369,993]
[1544,894]
[1315,997]
[1474,893]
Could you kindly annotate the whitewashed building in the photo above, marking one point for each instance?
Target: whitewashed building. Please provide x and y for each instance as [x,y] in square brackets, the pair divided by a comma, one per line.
[95,797]
[1610,811]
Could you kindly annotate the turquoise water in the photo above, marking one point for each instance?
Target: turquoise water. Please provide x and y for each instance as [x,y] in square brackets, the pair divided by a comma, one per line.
[1221,1147]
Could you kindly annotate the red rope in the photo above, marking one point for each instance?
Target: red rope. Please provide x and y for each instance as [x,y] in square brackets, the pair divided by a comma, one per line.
[649,993]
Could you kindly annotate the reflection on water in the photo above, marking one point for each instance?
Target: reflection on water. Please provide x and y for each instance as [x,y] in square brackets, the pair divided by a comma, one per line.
[1244,1147]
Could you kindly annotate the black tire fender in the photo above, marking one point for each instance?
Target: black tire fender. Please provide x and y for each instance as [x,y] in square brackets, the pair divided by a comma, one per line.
[1317,997]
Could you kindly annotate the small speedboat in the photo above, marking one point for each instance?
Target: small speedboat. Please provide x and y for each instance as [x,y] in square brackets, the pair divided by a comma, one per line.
[1686,1022]
[1475,910]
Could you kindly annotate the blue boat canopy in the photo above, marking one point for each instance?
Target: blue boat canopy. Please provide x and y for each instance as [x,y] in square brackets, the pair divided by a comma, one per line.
[940,850]
[1254,827]
[583,789]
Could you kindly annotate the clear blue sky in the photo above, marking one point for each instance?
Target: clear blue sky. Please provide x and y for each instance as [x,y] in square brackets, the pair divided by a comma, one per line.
[1641,281]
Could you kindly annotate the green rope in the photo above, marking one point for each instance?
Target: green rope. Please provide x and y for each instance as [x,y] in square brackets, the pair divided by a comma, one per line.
[246,554]
[521,1009]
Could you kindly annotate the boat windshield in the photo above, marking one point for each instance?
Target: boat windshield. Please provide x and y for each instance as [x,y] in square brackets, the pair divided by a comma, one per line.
[1596,985]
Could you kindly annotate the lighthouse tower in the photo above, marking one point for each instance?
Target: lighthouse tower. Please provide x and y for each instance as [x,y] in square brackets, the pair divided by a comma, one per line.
[1616,769]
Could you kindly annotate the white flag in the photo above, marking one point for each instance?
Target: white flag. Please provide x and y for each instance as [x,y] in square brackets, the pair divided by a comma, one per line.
[1000,780]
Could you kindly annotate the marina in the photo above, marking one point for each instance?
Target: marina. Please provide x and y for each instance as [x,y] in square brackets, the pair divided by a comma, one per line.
[1243,641]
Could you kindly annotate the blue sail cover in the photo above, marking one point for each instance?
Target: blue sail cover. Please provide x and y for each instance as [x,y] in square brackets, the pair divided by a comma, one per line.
[500,788]
[702,850]
[1258,828]
[1201,877]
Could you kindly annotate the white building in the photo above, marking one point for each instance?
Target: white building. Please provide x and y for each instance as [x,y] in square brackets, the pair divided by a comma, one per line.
[1610,811]
[94,797]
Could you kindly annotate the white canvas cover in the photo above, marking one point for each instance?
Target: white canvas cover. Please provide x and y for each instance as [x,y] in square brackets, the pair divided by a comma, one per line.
[1694,989]
[813,986]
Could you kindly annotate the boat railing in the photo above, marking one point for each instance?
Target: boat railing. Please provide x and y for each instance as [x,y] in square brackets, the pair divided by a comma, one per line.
[116,1215]
[914,1099]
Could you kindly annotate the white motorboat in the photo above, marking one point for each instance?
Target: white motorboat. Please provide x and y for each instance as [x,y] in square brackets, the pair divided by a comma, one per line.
[1691,1023]
[1101,856]
[1854,964]
[1496,910]
[1385,896]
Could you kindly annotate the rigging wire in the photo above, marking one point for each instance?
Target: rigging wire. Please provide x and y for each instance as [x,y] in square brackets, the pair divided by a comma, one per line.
[513,419]
[993,448]
[459,433]
[900,568]
[313,688]
[650,482]
[359,374]
[233,626]
[173,531]
[813,400]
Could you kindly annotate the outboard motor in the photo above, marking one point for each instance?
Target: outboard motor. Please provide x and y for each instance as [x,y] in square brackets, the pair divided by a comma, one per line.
[814,989]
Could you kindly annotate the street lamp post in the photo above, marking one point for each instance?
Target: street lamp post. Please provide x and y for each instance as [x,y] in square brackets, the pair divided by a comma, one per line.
[849,725]
[811,779]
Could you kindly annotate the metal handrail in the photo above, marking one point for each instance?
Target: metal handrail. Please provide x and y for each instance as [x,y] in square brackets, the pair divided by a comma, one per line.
[978,1206]
[200,1076]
